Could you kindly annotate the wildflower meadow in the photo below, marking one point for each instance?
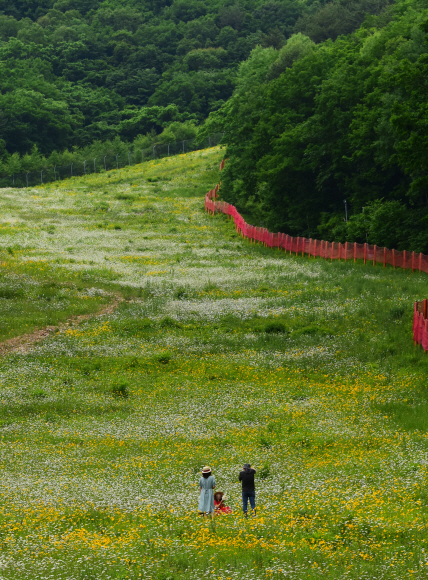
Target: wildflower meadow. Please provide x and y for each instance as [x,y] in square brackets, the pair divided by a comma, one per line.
[217,352]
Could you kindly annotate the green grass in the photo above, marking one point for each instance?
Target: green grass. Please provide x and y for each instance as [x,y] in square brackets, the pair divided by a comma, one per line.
[31,301]
[222,352]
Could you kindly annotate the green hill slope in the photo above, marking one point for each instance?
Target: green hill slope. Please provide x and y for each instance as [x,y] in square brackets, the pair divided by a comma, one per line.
[221,353]
[76,72]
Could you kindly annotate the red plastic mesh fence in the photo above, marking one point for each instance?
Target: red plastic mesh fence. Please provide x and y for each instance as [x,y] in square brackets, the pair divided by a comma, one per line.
[315,248]
[330,251]
[420,324]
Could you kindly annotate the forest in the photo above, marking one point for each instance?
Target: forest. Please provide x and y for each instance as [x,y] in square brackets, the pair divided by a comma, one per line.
[329,140]
[323,104]
[74,72]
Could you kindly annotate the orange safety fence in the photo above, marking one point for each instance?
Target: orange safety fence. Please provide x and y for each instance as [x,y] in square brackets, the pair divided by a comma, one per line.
[330,251]
[420,324]
[316,248]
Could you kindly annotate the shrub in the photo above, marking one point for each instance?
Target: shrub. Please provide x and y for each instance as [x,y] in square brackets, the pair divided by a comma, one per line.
[163,358]
[9,293]
[397,313]
[275,327]
[313,330]
[264,442]
[39,394]
[264,472]
[125,196]
[168,322]
[120,389]
[180,293]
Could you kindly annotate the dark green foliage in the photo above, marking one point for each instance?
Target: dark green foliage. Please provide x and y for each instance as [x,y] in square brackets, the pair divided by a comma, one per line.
[264,472]
[10,292]
[335,121]
[163,358]
[168,322]
[120,389]
[76,72]
[180,293]
[275,327]
[336,18]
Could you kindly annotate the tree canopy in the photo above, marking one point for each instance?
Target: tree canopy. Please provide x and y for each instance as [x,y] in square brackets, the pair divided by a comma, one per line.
[76,71]
[312,126]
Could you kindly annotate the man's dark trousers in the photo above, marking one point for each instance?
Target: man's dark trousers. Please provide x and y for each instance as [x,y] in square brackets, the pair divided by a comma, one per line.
[248,495]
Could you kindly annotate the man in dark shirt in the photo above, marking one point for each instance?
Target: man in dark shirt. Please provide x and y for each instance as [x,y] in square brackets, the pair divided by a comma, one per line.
[248,488]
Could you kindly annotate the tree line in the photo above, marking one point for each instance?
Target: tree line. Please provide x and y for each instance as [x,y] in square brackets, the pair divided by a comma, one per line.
[74,72]
[329,140]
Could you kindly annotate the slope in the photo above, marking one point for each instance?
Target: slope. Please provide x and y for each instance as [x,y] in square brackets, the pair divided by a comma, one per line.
[222,353]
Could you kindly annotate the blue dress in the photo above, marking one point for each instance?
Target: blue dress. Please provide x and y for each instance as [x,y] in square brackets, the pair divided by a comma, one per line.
[206,499]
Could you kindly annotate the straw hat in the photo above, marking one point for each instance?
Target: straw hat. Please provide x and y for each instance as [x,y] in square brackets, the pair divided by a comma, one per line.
[220,493]
[206,469]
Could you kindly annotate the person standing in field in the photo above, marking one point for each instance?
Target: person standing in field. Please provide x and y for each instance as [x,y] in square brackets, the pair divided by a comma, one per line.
[206,492]
[248,488]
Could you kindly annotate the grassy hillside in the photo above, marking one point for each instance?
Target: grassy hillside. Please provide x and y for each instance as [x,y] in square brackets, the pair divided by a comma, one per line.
[222,352]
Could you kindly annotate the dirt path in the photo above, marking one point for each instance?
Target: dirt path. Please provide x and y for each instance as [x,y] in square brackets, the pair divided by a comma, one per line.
[24,342]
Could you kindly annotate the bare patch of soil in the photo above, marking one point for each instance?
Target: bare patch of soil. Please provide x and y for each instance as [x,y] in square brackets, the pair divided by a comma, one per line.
[24,342]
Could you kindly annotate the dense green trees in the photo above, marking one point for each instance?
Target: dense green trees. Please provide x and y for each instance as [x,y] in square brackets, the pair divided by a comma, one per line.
[76,71]
[322,101]
[311,126]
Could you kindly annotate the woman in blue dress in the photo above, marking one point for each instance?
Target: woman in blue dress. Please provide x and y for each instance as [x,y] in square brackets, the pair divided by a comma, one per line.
[206,493]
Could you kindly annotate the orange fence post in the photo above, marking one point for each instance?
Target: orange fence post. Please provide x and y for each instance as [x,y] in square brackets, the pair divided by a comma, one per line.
[374,255]
[415,315]
[424,341]
[420,261]
[393,259]
[346,251]
[413,261]
[340,250]
[303,247]
[403,265]
[355,252]
[365,254]
[384,257]
[332,250]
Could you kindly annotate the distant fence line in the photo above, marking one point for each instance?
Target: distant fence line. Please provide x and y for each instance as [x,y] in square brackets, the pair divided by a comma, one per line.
[107,162]
[332,251]
[317,248]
